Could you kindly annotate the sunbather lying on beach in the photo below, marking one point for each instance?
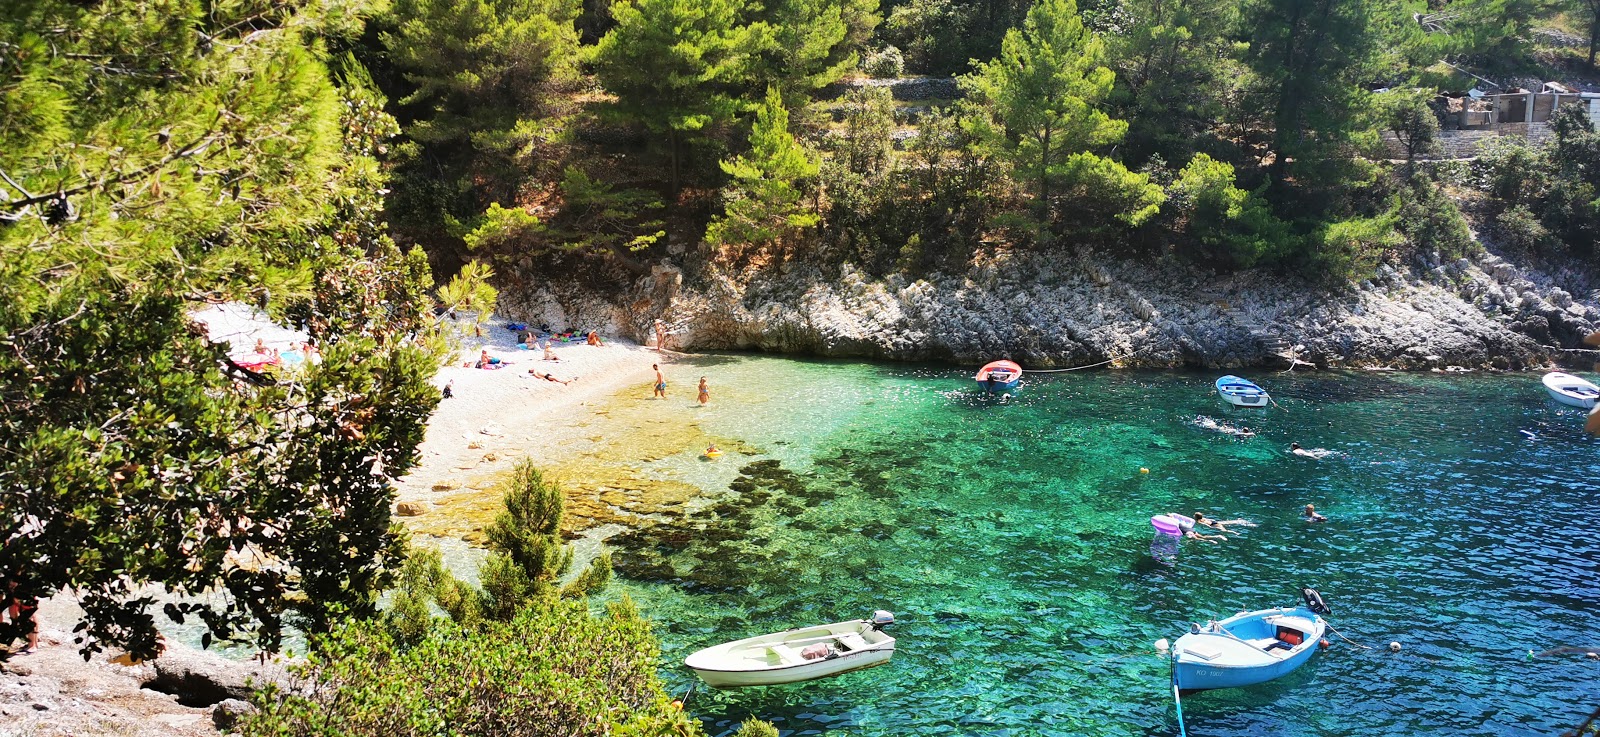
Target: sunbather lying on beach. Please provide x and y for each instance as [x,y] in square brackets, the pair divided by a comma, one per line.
[548,377]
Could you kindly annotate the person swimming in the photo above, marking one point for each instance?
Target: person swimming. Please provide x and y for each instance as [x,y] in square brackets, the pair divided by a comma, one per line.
[1311,515]
[1206,423]
[1312,453]
[1186,525]
[1200,518]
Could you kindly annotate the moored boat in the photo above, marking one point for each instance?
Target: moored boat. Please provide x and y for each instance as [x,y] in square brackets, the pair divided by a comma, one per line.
[1242,392]
[996,375]
[1571,390]
[796,655]
[1249,647]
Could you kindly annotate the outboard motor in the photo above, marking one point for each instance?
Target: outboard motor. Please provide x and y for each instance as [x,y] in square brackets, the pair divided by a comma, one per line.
[881,619]
[1314,601]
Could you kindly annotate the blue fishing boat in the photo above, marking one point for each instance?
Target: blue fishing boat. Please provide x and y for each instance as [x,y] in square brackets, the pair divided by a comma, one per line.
[1242,392]
[999,375]
[1250,647]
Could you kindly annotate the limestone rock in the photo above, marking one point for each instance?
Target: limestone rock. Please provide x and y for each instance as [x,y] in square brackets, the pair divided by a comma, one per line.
[198,678]
[229,712]
[409,509]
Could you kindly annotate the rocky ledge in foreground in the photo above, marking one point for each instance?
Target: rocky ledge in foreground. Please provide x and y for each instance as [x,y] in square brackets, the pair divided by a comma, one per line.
[1475,313]
[53,692]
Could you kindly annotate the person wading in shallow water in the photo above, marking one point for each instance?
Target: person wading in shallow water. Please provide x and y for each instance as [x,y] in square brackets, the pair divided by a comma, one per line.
[661,381]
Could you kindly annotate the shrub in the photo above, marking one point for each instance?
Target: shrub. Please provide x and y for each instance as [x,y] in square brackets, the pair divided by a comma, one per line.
[1350,250]
[1235,225]
[554,670]
[1520,231]
[885,63]
[1431,220]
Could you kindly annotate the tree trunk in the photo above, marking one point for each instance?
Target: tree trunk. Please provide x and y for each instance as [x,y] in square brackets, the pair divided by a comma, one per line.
[1594,29]
[1044,188]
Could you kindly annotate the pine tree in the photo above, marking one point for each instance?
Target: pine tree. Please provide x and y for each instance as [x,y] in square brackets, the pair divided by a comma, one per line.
[1310,58]
[762,202]
[157,157]
[676,67]
[1171,67]
[807,44]
[1043,96]
[482,98]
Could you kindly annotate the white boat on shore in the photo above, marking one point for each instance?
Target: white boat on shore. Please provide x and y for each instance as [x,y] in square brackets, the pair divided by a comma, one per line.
[1571,390]
[796,655]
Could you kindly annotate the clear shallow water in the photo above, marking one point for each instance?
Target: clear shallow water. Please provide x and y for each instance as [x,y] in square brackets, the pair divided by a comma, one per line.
[1012,541]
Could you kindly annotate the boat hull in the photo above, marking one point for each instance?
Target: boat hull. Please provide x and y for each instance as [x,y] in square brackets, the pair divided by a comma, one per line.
[1242,393]
[1571,390]
[997,376]
[808,672]
[1217,658]
[788,657]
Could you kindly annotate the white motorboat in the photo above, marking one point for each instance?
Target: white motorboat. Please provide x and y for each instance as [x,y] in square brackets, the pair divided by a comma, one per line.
[1569,389]
[796,655]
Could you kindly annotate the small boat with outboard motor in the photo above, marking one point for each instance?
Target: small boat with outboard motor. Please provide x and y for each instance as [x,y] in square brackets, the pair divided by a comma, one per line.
[796,655]
[998,375]
[1249,647]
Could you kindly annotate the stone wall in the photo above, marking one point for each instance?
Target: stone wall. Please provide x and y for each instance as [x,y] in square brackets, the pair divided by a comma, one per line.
[903,89]
[1465,144]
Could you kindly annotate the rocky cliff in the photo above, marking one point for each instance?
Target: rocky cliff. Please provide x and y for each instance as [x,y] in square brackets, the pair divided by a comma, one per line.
[1472,313]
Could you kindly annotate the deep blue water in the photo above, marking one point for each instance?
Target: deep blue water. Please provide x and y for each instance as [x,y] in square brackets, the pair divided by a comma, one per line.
[1012,541]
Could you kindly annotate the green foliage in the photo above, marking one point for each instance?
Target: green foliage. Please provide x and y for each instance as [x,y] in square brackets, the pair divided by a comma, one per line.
[598,216]
[1432,221]
[1350,250]
[469,291]
[1309,58]
[806,44]
[500,225]
[677,67]
[1043,96]
[753,727]
[1234,225]
[551,670]
[527,532]
[1556,188]
[481,91]
[762,200]
[1406,114]
[884,63]
[932,34]
[1173,65]
[193,154]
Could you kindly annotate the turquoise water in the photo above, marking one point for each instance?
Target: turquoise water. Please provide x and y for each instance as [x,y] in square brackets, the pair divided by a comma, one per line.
[1012,541]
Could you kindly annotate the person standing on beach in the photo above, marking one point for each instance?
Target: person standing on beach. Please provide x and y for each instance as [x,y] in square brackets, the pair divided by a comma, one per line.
[705,394]
[661,381]
[661,335]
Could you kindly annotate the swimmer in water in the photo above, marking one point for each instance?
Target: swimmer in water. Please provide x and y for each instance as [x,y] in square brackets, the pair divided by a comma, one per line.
[1304,453]
[1311,514]
[1200,518]
[1186,524]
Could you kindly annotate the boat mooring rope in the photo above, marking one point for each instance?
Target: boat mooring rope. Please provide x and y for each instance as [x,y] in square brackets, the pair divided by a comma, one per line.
[1346,639]
[1080,368]
[1177,701]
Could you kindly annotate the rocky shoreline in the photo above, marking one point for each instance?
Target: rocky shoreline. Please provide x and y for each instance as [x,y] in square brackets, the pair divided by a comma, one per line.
[1480,313]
